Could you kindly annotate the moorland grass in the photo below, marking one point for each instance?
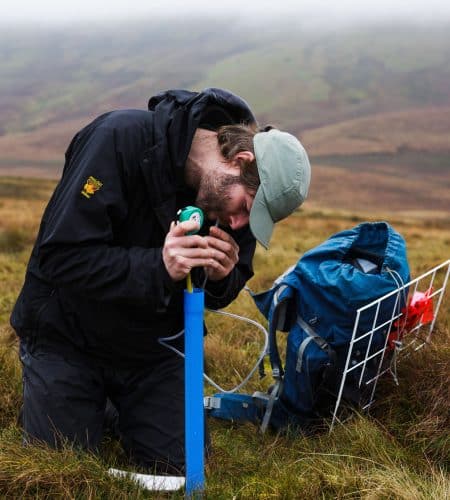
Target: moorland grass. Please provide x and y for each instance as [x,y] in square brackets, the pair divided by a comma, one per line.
[400,451]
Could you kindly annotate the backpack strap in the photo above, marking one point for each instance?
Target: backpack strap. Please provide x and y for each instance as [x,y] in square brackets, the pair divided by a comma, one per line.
[301,350]
[270,402]
[320,341]
[277,317]
[277,369]
[330,369]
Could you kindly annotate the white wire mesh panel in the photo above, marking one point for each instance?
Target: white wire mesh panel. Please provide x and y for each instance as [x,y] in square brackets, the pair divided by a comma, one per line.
[406,328]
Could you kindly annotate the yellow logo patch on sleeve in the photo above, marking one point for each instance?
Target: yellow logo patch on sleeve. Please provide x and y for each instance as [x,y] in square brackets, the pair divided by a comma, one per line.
[91,186]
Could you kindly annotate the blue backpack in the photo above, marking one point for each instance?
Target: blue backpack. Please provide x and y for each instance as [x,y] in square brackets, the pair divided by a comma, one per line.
[316,301]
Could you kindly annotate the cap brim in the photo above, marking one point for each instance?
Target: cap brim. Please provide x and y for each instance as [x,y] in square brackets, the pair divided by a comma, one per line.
[261,223]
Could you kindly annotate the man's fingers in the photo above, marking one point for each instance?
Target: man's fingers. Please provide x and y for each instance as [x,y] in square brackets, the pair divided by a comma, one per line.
[182,228]
[182,252]
[191,253]
[186,264]
[222,235]
[215,267]
[217,252]
[186,242]
[225,248]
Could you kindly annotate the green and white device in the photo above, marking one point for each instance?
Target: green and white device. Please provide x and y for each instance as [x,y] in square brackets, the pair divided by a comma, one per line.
[191,213]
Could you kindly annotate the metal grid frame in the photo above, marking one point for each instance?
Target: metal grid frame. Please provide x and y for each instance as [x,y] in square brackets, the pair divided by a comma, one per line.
[413,339]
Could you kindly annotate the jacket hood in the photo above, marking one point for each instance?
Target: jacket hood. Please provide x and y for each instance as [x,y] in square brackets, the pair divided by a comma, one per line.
[197,102]
[178,113]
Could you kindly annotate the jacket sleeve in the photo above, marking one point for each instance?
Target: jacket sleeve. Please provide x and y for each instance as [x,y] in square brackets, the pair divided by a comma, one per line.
[76,247]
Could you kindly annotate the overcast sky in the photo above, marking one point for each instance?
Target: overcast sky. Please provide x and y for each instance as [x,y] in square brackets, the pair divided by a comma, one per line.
[57,11]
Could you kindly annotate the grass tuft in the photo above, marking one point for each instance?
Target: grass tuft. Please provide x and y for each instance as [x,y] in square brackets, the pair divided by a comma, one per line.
[40,472]
[10,378]
[13,240]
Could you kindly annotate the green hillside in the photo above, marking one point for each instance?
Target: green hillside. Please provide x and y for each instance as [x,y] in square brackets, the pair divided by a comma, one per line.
[305,81]
[298,78]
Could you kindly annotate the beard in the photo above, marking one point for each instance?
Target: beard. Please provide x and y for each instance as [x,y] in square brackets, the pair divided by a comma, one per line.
[214,192]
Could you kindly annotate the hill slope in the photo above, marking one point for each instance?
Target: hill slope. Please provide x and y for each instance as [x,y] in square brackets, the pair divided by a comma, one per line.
[299,78]
[372,100]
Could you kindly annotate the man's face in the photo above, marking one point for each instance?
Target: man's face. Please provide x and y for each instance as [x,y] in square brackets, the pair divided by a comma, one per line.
[222,197]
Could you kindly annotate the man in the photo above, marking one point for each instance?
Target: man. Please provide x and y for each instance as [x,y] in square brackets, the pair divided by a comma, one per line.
[106,276]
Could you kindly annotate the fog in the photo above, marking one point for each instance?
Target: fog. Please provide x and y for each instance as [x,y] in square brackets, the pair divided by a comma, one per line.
[54,12]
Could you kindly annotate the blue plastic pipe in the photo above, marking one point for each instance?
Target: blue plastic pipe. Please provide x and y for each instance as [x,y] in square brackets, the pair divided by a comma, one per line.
[193,383]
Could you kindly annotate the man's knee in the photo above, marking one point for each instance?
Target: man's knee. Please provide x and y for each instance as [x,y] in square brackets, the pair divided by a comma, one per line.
[61,401]
[152,417]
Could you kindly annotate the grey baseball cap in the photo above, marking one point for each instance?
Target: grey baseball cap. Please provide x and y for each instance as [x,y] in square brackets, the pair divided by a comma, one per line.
[285,174]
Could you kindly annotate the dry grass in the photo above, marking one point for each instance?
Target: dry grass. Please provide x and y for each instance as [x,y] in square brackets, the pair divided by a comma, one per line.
[419,412]
[359,460]
[400,452]
[10,378]
[38,472]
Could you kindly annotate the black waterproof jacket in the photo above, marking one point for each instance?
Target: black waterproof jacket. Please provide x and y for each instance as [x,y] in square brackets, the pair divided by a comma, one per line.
[96,280]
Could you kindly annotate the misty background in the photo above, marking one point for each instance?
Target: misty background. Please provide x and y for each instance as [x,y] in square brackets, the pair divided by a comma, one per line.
[364,85]
[56,12]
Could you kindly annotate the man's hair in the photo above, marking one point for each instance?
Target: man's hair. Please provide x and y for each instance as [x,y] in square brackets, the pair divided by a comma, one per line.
[234,139]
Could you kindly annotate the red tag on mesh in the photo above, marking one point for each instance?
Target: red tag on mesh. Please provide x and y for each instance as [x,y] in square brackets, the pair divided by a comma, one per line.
[418,311]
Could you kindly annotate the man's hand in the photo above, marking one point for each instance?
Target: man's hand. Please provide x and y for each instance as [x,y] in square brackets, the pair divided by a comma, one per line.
[181,253]
[225,254]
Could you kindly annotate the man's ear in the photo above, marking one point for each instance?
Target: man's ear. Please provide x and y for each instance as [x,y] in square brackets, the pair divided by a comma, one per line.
[243,156]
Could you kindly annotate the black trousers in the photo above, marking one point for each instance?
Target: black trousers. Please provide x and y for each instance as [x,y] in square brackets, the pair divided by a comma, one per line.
[65,397]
